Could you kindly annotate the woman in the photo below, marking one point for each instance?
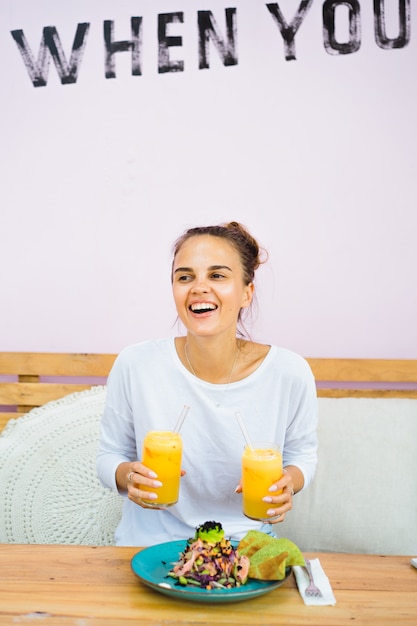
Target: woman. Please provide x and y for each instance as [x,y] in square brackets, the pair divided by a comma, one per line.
[216,372]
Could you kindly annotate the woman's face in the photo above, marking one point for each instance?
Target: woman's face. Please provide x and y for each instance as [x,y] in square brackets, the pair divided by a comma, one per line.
[208,285]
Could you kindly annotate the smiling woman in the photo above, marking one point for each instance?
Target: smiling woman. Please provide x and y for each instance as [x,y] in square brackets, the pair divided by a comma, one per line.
[211,289]
[217,371]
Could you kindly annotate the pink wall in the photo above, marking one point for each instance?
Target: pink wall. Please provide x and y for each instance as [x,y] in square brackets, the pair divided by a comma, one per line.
[316,155]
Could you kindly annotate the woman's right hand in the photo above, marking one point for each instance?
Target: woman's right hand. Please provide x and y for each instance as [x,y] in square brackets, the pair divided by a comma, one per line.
[138,479]
[130,475]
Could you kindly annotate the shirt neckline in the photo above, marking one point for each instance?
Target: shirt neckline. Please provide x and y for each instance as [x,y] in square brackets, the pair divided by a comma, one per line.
[235,384]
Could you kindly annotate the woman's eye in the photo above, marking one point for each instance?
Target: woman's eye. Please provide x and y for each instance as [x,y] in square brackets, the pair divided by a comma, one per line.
[184,278]
[217,276]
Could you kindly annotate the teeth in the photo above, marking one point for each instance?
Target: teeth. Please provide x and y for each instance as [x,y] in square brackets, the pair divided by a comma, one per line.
[200,306]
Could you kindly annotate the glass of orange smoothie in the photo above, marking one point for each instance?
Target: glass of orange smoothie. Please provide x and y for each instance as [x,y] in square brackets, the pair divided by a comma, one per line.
[261,468]
[162,453]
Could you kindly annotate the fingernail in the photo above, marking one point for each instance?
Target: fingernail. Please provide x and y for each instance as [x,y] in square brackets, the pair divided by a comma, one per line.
[152,474]
[156,483]
[152,496]
[267,499]
[237,488]
[273,488]
[270,512]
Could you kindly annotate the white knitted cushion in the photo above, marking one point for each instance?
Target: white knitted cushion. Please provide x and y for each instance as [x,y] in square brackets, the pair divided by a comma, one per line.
[49,490]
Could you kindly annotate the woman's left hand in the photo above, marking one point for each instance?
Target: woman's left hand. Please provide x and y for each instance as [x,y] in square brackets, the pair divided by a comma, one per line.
[282,502]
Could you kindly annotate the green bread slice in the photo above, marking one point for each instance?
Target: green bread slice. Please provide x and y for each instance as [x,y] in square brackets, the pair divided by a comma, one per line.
[269,556]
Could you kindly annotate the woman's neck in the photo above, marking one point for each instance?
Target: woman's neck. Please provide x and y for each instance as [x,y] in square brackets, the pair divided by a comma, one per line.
[210,360]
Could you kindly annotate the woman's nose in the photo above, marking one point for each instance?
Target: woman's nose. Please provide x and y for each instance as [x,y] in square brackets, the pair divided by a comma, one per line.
[200,286]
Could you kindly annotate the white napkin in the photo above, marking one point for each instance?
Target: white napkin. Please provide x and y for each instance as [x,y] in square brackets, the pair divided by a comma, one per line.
[320,580]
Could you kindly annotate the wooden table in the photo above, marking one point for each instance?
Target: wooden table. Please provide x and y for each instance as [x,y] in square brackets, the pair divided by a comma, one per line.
[84,585]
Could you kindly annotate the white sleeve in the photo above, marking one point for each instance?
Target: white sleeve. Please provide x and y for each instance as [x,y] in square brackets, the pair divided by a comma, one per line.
[117,442]
[300,447]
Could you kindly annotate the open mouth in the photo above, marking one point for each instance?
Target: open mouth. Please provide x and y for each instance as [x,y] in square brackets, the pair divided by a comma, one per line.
[202,307]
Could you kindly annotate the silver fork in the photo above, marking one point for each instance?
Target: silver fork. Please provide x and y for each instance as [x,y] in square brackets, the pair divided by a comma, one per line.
[311,590]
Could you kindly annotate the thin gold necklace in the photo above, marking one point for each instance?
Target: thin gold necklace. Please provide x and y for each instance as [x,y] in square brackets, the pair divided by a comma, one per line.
[231,371]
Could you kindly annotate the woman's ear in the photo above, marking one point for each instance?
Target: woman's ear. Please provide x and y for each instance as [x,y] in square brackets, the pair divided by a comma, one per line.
[248,295]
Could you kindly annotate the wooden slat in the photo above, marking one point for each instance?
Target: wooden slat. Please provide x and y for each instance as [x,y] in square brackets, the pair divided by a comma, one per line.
[365,370]
[35,394]
[23,378]
[323,392]
[55,364]
[5,417]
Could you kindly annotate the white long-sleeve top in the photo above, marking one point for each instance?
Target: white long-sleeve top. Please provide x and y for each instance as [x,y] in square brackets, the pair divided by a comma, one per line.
[147,389]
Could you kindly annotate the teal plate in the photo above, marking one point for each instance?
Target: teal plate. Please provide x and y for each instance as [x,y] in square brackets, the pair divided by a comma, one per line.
[151,565]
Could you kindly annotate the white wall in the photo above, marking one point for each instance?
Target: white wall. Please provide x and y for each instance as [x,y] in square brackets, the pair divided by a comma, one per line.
[316,155]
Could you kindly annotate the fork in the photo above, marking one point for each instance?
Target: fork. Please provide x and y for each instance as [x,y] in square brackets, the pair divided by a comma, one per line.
[311,590]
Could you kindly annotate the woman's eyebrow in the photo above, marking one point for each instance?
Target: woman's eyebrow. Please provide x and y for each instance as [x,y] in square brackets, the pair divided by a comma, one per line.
[183,269]
[220,267]
[211,268]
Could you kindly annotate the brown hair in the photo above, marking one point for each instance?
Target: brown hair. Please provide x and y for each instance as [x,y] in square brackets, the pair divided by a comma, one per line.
[245,245]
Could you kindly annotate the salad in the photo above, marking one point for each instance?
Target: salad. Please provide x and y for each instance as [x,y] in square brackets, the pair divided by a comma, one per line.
[210,561]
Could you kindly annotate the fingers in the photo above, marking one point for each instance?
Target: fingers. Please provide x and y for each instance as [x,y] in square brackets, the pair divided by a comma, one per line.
[140,496]
[277,513]
[137,479]
[138,472]
[275,519]
[282,502]
[283,483]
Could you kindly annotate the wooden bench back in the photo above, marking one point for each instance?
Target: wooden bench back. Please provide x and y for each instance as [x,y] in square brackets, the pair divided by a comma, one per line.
[365,378]
[29,386]
[24,378]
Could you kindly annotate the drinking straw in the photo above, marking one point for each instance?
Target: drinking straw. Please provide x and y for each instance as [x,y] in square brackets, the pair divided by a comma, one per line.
[243,429]
[181,418]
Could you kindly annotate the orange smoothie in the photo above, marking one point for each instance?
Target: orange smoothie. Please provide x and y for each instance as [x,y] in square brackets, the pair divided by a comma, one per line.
[261,467]
[162,453]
